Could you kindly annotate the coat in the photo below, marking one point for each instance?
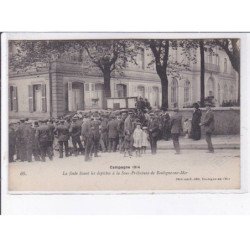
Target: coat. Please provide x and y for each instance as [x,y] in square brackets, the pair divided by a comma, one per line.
[121,128]
[153,128]
[176,123]
[75,130]
[113,129]
[96,125]
[208,122]
[128,125]
[43,133]
[62,131]
[86,128]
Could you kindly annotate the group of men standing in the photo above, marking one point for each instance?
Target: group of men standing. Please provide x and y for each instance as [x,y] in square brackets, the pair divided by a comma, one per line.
[91,132]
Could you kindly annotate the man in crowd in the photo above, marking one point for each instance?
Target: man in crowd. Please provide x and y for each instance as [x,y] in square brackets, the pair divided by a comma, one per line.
[75,132]
[121,132]
[104,133]
[62,132]
[12,142]
[95,124]
[128,126]
[43,137]
[29,137]
[208,124]
[113,133]
[20,136]
[176,129]
[153,129]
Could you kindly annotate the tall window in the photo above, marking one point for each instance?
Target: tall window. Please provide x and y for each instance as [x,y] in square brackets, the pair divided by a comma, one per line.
[141,91]
[210,58]
[37,98]
[13,98]
[225,65]
[187,91]
[121,90]
[174,91]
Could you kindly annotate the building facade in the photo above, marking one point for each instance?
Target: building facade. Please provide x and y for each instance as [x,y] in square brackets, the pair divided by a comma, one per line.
[66,86]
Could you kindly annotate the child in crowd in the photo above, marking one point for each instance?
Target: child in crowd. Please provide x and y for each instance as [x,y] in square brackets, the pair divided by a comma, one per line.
[138,139]
[187,128]
[145,139]
[127,143]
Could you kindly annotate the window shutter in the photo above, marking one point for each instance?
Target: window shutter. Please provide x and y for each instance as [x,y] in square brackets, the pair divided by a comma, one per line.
[15,104]
[70,95]
[31,103]
[44,100]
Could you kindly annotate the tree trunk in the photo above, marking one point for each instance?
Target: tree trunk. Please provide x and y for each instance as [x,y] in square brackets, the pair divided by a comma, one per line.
[164,92]
[106,90]
[202,74]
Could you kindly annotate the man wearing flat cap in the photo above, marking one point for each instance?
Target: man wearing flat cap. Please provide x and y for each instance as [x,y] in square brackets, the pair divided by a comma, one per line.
[208,124]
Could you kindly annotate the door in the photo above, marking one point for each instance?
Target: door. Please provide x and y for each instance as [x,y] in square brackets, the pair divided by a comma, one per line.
[76,96]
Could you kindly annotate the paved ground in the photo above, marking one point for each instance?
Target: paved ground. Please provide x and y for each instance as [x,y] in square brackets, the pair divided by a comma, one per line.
[192,169]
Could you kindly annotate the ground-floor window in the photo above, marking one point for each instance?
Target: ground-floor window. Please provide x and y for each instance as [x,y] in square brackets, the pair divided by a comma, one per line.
[141,91]
[13,98]
[174,91]
[187,91]
[37,98]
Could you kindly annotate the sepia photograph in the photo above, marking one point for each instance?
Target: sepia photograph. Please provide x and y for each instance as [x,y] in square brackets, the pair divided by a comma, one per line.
[124,114]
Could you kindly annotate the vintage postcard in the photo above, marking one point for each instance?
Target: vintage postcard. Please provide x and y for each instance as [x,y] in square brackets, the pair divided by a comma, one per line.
[123,112]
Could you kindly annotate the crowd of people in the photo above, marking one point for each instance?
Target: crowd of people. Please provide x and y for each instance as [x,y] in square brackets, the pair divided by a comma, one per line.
[130,132]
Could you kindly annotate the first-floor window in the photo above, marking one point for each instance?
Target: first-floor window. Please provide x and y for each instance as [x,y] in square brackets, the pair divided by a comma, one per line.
[187,91]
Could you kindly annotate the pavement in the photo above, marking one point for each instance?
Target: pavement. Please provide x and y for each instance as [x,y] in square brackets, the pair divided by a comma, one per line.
[219,142]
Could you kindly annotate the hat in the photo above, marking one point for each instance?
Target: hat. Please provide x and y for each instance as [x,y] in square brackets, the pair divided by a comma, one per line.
[22,120]
[144,128]
[61,121]
[36,123]
[74,118]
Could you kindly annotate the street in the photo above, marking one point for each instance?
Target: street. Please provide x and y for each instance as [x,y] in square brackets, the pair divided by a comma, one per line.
[192,169]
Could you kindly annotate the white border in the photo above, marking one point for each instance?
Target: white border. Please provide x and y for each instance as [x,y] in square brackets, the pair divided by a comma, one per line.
[8,199]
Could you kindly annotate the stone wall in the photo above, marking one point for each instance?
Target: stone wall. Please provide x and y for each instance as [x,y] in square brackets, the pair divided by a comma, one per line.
[227,120]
